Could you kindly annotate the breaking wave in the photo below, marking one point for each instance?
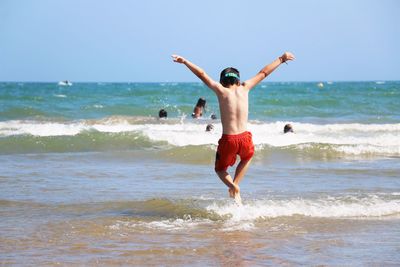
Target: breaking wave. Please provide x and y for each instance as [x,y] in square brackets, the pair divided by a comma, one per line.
[114,133]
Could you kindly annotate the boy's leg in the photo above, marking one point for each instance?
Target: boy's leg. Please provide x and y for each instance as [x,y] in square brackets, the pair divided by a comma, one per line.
[241,170]
[246,153]
[227,180]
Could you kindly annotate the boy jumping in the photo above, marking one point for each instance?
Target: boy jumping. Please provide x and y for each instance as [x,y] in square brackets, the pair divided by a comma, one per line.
[233,99]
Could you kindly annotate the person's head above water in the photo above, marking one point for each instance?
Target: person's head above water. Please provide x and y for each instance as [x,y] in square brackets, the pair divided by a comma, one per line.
[201,102]
[229,76]
[209,127]
[162,113]
[288,128]
[198,109]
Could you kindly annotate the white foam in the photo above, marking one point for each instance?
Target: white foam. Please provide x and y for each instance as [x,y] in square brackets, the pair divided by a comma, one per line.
[350,138]
[330,207]
[60,96]
[348,134]
[230,226]
[183,134]
[246,217]
[40,129]
[164,225]
[184,224]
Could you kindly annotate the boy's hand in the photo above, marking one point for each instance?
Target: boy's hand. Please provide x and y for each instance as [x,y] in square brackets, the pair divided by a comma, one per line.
[178,59]
[286,56]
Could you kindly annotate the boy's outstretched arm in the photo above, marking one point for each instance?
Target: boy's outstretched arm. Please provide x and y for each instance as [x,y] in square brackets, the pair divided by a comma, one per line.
[199,72]
[267,70]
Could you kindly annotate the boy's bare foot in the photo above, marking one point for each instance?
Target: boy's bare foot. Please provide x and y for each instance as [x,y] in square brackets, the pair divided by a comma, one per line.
[234,193]
[234,190]
[231,192]
[238,199]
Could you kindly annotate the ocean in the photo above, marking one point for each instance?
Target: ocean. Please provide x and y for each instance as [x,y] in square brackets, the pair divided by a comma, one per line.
[89,175]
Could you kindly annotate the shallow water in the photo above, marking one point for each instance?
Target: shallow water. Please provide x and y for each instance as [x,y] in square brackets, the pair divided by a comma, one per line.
[101,187]
[119,209]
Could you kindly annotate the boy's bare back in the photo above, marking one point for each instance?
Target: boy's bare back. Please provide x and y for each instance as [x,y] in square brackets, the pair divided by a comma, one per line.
[234,108]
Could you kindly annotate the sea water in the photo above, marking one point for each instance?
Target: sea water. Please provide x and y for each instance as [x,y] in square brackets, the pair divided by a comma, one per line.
[89,175]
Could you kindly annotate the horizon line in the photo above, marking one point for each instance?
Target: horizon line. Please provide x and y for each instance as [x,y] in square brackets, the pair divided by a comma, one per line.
[299,81]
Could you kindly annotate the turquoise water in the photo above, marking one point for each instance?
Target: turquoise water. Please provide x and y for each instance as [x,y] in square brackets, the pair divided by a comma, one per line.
[89,175]
[363,102]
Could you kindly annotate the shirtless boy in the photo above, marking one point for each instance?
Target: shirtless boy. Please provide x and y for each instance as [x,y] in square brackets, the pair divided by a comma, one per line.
[233,99]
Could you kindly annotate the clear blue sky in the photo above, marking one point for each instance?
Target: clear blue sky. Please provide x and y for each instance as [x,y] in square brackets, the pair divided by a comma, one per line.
[93,40]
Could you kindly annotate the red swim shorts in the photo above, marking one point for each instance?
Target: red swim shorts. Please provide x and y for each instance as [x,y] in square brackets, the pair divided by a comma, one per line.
[231,145]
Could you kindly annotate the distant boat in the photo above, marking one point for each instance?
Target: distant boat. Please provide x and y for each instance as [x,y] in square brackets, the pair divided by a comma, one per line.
[65,83]
[320,85]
